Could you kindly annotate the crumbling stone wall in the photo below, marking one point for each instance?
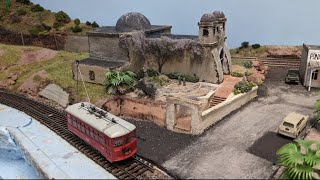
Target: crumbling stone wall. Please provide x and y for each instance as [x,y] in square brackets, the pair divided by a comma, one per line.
[167,55]
[106,48]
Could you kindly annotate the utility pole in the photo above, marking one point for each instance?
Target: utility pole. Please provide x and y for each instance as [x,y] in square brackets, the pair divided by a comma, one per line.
[77,63]
[8,4]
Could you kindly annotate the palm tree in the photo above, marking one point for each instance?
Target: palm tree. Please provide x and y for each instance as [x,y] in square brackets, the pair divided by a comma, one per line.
[301,159]
[119,82]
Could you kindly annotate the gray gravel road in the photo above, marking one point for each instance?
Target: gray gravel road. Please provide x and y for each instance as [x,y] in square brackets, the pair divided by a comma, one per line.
[222,151]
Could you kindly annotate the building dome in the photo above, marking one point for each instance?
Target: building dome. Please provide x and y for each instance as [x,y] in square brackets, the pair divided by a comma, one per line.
[208,17]
[219,14]
[132,21]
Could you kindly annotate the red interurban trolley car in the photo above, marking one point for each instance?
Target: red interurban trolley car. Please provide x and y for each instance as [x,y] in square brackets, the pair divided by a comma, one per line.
[112,136]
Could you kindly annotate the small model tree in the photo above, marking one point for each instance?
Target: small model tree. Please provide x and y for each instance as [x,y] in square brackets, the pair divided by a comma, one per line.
[301,159]
[119,83]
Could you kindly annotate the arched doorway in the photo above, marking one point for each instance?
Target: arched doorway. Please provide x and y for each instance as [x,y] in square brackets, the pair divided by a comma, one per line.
[222,59]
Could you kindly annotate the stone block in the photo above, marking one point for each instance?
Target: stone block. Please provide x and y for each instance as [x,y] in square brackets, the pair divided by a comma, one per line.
[55,93]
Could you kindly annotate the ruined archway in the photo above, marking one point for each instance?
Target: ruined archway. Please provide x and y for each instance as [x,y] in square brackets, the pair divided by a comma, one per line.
[222,60]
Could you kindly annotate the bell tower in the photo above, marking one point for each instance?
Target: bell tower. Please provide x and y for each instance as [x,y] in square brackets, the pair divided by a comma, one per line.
[212,28]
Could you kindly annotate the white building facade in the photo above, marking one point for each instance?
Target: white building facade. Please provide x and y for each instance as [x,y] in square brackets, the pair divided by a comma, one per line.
[310,66]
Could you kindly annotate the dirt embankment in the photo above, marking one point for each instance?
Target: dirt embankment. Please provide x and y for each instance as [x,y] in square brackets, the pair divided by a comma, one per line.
[33,84]
[269,51]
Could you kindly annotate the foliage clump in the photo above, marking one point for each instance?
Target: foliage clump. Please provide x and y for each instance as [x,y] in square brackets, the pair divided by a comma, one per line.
[76,29]
[188,78]
[37,8]
[27,2]
[237,74]
[62,17]
[247,64]
[21,12]
[95,24]
[37,30]
[77,21]
[243,87]
[244,44]
[119,83]
[256,46]
[301,159]
[57,25]
[88,23]
[147,89]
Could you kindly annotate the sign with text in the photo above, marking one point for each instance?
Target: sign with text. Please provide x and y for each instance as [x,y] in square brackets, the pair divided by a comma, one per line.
[314,55]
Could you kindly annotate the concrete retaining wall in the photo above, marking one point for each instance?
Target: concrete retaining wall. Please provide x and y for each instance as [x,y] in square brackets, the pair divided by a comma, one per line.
[75,43]
[195,121]
[216,113]
[154,111]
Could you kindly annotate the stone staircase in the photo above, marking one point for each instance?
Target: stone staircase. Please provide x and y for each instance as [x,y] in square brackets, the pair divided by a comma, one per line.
[216,100]
[291,63]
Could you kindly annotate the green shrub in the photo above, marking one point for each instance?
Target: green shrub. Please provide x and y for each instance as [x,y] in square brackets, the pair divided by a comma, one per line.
[152,72]
[193,78]
[244,44]
[247,64]
[248,73]
[256,46]
[173,75]
[139,74]
[95,24]
[21,12]
[77,21]
[37,8]
[57,25]
[243,87]
[88,23]
[147,89]
[62,17]
[76,29]
[46,27]
[236,74]
[23,2]
[118,82]
[37,30]
[188,78]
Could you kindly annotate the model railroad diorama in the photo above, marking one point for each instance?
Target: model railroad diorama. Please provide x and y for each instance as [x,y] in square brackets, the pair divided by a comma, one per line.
[139,74]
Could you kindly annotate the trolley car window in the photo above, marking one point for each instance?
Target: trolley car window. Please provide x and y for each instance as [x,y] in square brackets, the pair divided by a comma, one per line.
[74,124]
[91,134]
[96,138]
[82,129]
[101,140]
[87,132]
[132,135]
[69,121]
[79,127]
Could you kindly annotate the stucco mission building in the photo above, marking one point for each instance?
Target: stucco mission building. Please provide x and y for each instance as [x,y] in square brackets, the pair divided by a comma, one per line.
[310,66]
[205,56]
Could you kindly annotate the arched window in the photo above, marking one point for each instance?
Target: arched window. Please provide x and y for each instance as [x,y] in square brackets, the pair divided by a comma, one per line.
[92,76]
[205,32]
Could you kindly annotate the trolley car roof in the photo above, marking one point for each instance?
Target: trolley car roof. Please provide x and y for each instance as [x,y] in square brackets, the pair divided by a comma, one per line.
[103,124]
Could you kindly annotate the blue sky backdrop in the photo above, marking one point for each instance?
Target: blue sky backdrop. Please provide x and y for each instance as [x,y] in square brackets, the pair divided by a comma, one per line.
[281,22]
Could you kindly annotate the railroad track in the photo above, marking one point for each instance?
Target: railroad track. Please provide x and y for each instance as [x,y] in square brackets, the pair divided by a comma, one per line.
[132,168]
